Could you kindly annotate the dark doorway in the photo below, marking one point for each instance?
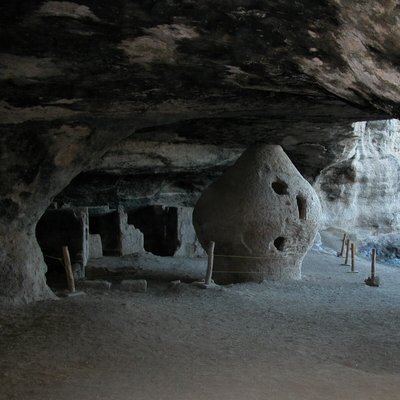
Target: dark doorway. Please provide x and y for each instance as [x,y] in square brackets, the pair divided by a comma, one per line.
[159,226]
[107,226]
[55,229]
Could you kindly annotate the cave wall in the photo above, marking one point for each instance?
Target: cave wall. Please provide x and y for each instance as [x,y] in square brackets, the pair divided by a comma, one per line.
[95,246]
[360,192]
[189,245]
[131,239]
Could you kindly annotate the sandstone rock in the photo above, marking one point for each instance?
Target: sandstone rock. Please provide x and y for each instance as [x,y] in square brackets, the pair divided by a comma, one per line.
[22,272]
[261,212]
[189,245]
[95,284]
[78,270]
[95,246]
[360,192]
[134,285]
[131,239]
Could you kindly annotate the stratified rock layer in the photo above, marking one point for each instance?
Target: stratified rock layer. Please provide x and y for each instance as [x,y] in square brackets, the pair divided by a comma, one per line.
[262,215]
[360,193]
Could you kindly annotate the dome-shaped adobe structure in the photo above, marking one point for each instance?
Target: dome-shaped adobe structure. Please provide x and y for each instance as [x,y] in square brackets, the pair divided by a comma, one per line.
[263,213]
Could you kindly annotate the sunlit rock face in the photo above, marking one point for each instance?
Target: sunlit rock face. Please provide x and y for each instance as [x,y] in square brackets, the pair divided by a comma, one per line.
[360,193]
[262,213]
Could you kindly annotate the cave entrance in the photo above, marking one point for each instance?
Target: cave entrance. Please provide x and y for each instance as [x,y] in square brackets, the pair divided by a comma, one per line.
[159,226]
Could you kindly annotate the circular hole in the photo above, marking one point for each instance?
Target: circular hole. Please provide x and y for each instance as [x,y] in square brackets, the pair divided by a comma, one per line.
[279,243]
[280,187]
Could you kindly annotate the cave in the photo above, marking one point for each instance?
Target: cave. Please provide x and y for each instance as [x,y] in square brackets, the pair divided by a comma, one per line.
[159,226]
[139,132]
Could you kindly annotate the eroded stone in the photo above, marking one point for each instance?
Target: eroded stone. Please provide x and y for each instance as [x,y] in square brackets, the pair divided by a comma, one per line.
[95,246]
[134,285]
[94,284]
[261,214]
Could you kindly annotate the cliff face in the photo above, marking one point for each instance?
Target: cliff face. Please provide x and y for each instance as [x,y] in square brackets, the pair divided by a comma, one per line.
[360,192]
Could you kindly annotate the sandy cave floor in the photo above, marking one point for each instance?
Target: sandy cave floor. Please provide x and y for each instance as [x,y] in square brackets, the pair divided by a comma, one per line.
[328,336]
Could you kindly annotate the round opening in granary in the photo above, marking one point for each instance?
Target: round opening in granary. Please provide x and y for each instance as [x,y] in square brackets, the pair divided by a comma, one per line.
[279,243]
[280,187]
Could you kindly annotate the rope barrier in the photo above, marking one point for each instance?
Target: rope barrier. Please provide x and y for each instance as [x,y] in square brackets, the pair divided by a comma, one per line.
[235,272]
[256,257]
[59,259]
[53,258]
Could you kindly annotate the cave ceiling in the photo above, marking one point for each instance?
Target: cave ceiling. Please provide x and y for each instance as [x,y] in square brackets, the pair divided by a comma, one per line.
[138,90]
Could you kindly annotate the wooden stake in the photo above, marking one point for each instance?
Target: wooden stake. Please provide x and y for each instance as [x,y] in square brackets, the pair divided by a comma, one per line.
[373,263]
[353,258]
[373,280]
[210,263]
[343,242]
[346,260]
[68,269]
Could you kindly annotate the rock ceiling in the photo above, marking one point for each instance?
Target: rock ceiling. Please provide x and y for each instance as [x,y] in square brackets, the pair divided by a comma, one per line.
[78,77]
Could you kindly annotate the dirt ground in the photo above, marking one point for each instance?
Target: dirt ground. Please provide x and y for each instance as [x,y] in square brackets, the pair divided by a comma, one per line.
[328,336]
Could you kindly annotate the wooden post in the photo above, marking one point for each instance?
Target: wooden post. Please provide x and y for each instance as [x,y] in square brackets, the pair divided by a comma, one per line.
[373,264]
[346,260]
[353,258]
[373,280]
[68,269]
[210,263]
[343,242]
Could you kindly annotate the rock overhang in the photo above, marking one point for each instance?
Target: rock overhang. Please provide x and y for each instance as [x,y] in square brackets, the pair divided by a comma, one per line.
[78,77]
[227,74]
